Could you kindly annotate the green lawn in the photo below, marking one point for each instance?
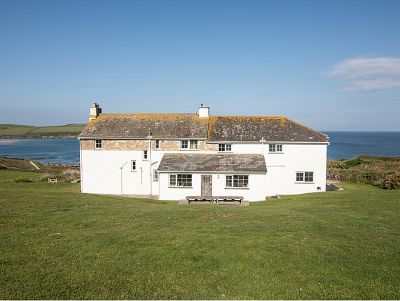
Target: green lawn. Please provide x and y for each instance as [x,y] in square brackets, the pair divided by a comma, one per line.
[58,243]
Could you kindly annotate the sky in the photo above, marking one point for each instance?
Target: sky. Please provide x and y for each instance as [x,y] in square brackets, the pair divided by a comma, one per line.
[332,65]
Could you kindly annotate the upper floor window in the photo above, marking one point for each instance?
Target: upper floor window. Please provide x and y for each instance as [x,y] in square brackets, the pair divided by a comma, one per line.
[157,144]
[237,181]
[180,180]
[145,154]
[98,144]
[305,176]
[133,165]
[275,148]
[224,147]
[189,144]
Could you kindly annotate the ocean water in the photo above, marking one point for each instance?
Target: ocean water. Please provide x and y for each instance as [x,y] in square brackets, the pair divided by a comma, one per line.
[343,145]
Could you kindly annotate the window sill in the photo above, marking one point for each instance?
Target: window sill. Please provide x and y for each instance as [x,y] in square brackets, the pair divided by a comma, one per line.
[304,182]
[276,153]
[187,187]
[240,188]
[188,149]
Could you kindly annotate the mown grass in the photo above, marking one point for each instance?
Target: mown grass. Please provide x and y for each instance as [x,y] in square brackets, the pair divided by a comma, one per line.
[58,243]
[15,130]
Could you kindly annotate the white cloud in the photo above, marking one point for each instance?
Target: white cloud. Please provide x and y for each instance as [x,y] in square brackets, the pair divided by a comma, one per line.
[368,74]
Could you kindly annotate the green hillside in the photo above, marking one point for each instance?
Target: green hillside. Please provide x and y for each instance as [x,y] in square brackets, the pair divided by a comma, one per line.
[23,131]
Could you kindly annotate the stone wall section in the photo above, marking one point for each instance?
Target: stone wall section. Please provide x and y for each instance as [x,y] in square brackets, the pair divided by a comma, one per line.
[165,145]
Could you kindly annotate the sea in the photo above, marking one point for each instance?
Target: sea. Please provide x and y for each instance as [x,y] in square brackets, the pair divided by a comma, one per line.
[343,145]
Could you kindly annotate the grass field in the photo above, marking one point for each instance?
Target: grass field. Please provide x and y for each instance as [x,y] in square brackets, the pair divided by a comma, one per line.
[58,243]
[33,131]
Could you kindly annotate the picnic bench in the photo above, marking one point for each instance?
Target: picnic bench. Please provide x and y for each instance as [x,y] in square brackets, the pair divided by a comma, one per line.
[215,199]
[52,180]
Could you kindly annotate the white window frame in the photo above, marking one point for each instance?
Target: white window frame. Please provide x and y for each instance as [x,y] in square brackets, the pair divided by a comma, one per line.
[237,179]
[275,148]
[100,142]
[157,144]
[190,144]
[224,147]
[175,183]
[133,162]
[145,154]
[305,177]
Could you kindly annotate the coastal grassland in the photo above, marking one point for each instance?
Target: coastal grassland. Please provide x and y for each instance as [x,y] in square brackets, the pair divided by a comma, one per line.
[59,244]
[23,131]
[383,172]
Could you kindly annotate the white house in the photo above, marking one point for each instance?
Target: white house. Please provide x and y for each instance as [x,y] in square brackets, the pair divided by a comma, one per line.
[172,156]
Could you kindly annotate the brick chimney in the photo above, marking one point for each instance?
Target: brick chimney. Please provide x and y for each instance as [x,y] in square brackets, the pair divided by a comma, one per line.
[95,111]
[203,111]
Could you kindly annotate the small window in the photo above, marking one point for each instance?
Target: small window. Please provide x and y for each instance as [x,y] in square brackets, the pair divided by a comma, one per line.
[224,147]
[305,176]
[98,144]
[145,154]
[275,148]
[189,144]
[155,175]
[184,144]
[180,180]
[133,165]
[157,144]
[237,181]
[299,176]
[193,144]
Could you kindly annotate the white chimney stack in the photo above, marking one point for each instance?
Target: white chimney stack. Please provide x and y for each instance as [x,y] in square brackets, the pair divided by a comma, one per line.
[95,111]
[203,111]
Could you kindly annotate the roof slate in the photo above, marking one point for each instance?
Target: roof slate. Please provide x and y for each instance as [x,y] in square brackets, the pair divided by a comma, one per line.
[142,125]
[184,162]
[257,128]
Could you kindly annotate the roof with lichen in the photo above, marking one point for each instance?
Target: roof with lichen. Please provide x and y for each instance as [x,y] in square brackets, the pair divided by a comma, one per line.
[140,126]
[184,162]
[190,126]
[258,128]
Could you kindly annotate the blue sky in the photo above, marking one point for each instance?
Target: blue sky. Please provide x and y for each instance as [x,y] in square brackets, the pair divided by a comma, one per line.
[333,65]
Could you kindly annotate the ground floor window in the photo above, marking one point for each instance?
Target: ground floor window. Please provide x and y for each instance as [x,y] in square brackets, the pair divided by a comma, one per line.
[180,180]
[237,181]
[224,147]
[305,176]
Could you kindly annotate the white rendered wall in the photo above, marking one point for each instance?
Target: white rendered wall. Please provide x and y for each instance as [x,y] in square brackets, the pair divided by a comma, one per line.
[100,173]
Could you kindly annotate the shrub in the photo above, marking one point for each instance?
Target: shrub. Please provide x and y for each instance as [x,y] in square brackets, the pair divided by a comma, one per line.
[390,182]
[2,167]
[23,180]
[354,162]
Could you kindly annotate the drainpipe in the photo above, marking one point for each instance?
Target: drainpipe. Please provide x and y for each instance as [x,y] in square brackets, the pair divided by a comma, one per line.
[150,176]
[121,168]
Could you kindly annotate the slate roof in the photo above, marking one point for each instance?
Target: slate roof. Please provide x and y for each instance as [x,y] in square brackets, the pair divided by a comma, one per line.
[142,125]
[177,162]
[256,128]
[190,126]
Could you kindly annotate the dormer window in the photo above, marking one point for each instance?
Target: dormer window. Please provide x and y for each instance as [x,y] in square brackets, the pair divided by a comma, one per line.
[189,144]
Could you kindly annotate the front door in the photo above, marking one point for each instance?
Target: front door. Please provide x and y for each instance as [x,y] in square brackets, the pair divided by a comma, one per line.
[206,185]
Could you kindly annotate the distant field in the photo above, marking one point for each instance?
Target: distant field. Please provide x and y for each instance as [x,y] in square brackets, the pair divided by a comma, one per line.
[15,130]
[57,243]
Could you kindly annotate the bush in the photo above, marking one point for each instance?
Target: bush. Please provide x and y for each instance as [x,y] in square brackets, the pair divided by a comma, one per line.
[354,162]
[391,182]
[23,180]
[2,167]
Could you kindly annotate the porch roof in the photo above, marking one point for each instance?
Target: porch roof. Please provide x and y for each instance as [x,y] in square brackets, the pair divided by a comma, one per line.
[173,162]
